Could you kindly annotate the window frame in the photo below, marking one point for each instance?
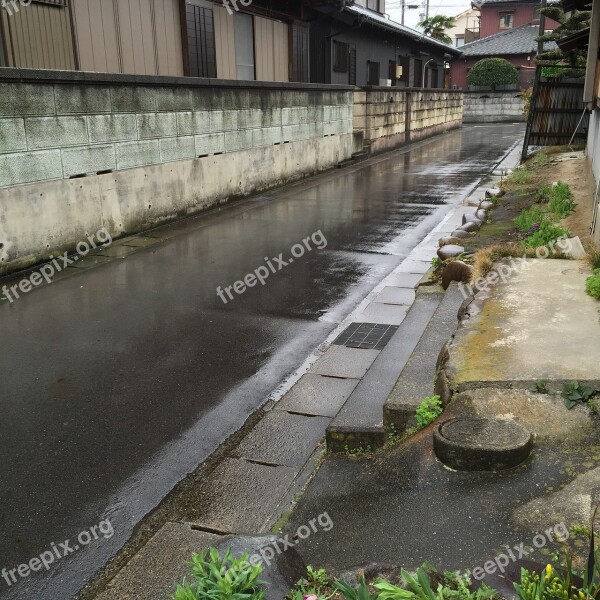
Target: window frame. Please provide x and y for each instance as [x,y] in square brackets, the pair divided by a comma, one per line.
[341,57]
[503,15]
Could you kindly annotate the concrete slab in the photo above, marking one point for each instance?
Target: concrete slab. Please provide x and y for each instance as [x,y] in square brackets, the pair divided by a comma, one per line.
[139,241]
[318,395]
[151,574]
[339,361]
[538,325]
[394,295]
[86,262]
[404,280]
[414,266]
[282,438]
[385,314]
[116,251]
[242,497]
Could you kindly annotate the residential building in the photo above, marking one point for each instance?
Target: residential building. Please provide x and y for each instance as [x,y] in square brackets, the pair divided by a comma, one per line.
[466,29]
[321,41]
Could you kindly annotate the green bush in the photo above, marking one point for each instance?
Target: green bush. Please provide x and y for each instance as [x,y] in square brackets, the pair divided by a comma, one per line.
[226,578]
[491,72]
[528,218]
[428,411]
[592,284]
[561,200]
[547,233]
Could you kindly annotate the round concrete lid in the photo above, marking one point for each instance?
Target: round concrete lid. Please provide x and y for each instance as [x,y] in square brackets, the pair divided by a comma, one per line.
[477,444]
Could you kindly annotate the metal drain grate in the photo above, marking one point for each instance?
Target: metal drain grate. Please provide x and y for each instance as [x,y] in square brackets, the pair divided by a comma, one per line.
[366,336]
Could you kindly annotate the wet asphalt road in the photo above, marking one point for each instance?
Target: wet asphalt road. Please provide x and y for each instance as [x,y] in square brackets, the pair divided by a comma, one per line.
[118,381]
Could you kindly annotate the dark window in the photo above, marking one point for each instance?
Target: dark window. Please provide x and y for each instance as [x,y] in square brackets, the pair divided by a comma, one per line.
[244,46]
[418,80]
[300,52]
[352,73]
[434,77]
[202,61]
[392,72]
[404,63]
[340,56]
[372,73]
[506,20]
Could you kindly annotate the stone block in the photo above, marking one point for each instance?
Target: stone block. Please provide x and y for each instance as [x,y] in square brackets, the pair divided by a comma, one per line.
[173,99]
[133,99]
[212,143]
[290,116]
[271,117]
[266,136]
[137,154]
[178,148]
[190,123]
[223,120]
[27,99]
[55,132]
[81,99]
[249,119]
[157,125]
[90,159]
[27,167]
[290,133]
[112,128]
[12,135]
[238,140]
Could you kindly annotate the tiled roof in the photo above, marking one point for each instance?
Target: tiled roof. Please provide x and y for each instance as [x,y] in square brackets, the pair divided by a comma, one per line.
[520,40]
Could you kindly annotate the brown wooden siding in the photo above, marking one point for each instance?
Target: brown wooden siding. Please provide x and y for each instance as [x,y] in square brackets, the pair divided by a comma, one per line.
[225,43]
[271,40]
[141,37]
[38,36]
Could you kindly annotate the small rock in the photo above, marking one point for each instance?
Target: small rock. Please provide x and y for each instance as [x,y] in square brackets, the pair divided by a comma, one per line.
[471,226]
[280,573]
[468,217]
[457,270]
[571,247]
[460,234]
[493,193]
[449,251]
[486,204]
[449,240]
[473,202]
[481,214]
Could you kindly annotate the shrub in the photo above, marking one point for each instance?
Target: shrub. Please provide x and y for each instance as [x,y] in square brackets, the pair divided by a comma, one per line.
[592,284]
[547,233]
[491,72]
[594,258]
[528,218]
[428,411]
[561,200]
[226,578]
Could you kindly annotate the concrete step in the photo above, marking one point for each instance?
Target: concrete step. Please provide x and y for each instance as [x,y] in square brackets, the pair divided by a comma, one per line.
[359,424]
[417,379]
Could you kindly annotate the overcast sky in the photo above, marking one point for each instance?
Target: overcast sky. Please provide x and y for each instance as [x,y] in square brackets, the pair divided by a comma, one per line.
[436,7]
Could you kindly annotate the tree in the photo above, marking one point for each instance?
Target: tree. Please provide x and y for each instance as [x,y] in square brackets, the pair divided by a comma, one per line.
[557,63]
[491,72]
[435,27]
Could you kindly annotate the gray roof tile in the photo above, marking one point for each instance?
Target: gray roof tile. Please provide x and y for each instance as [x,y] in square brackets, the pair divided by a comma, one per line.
[520,40]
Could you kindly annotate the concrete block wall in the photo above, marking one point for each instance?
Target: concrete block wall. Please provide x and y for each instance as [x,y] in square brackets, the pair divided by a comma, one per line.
[65,130]
[593,156]
[381,113]
[82,151]
[490,107]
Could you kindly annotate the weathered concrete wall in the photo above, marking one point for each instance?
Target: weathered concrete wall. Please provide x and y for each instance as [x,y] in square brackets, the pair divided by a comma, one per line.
[390,117]
[490,107]
[593,154]
[81,151]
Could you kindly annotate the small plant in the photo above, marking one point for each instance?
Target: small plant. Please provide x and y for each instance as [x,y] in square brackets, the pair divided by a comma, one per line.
[594,258]
[318,577]
[545,235]
[358,451]
[362,592]
[574,392]
[436,262]
[428,411]
[540,159]
[519,176]
[541,387]
[592,284]
[561,200]
[226,578]
[528,218]
[389,591]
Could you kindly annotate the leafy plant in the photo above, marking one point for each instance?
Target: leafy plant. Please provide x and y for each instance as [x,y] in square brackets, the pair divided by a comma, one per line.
[317,577]
[389,591]
[546,234]
[594,258]
[574,392]
[226,578]
[561,200]
[428,411]
[519,176]
[541,387]
[362,592]
[436,26]
[436,262]
[490,72]
[592,284]
[528,218]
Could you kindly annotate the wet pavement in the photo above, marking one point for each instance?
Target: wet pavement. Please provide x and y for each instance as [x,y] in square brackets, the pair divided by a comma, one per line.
[118,381]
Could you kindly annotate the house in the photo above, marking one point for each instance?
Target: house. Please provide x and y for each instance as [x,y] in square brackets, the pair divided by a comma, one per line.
[466,29]
[358,44]
[507,29]
[321,41]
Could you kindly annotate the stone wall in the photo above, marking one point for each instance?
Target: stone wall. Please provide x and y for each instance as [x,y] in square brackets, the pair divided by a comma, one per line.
[391,117]
[81,151]
[490,107]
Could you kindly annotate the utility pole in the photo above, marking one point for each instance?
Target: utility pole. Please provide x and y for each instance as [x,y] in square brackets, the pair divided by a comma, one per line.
[427,9]
[403,4]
